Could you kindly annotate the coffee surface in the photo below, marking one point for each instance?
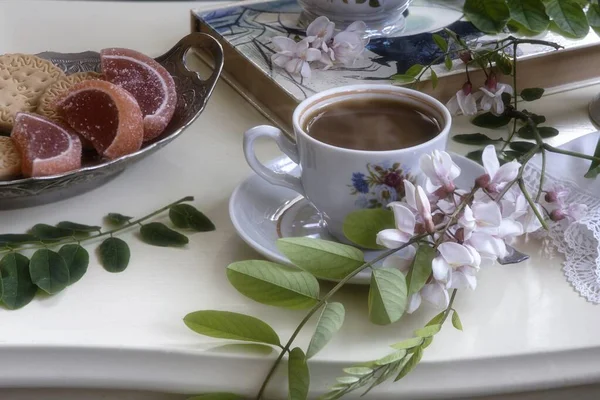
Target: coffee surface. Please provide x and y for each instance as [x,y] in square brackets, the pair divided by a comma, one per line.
[372,124]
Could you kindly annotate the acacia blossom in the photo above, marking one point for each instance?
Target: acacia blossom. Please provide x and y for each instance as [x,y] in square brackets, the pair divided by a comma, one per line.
[499,176]
[464,101]
[294,56]
[321,45]
[492,95]
[440,171]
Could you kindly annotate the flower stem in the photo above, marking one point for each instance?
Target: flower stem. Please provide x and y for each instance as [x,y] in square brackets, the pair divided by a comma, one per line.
[449,308]
[532,204]
[101,234]
[317,306]
[542,177]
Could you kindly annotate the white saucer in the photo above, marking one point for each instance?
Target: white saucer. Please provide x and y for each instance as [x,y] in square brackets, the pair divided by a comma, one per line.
[262,213]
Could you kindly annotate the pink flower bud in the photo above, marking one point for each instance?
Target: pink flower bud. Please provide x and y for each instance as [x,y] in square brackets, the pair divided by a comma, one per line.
[429,227]
[550,197]
[492,82]
[467,88]
[465,56]
[483,181]
[557,215]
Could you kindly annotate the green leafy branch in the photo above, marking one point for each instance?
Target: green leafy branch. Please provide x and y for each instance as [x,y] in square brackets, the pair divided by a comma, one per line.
[570,18]
[396,365]
[298,288]
[52,271]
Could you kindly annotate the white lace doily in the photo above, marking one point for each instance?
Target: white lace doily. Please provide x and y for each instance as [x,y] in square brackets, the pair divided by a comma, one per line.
[579,241]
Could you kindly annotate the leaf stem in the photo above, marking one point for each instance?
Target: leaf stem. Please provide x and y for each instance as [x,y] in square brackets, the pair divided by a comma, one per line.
[317,306]
[542,177]
[70,240]
[449,308]
[570,153]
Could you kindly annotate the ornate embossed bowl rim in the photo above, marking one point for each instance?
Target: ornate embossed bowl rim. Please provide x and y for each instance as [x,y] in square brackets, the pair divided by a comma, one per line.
[193,94]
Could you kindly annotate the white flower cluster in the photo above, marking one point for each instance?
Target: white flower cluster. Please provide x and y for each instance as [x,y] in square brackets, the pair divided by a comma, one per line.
[488,98]
[320,46]
[479,223]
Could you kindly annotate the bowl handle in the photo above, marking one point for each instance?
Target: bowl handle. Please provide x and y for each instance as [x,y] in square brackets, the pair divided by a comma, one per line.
[175,61]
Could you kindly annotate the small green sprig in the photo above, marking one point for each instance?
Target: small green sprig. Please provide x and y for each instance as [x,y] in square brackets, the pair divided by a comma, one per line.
[59,258]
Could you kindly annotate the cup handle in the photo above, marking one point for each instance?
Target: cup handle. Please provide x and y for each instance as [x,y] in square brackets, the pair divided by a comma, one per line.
[284,144]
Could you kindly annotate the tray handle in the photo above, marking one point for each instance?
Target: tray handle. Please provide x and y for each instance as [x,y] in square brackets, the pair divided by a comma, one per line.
[187,79]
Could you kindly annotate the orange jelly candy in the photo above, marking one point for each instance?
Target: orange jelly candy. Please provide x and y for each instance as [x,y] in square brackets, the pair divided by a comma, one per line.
[106,115]
[148,81]
[46,147]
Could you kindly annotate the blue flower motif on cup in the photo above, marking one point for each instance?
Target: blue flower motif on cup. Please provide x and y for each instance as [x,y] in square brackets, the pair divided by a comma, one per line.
[379,185]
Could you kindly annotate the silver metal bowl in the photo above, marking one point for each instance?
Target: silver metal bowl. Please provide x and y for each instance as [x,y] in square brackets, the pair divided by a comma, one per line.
[193,94]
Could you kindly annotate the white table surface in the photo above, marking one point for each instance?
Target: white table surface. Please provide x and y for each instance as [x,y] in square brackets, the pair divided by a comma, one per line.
[525,327]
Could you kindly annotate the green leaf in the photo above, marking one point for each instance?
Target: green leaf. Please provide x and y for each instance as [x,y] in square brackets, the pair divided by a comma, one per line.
[274,284]
[593,16]
[568,17]
[387,296]
[489,120]
[506,98]
[186,216]
[403,78]
[428,331]
[330,321]
[216,396]
[594,169]
[526,132]
[410,364]
[361,226]
[456,321]
[440,42]
[49,271]
[114,254]
[75,227]
[510,155]
[414,70]
[537,119]
[426,342]
[434,79]
[437,319]
[408,343]
[521,147]
[158,234]
[77,260]
[298,375]
[117,219]
[531,94]
[489,16]
[347,379]
[17,288]
[49,232]
[17,238]
[531,14]
[420,270]
[503,63]
[475,156]
[358,371]
[230,325]
[322,258]
[392,358]
[448,63]
[474,139]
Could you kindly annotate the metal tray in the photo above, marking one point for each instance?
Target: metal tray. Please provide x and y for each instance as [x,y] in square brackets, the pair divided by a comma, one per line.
[193,94]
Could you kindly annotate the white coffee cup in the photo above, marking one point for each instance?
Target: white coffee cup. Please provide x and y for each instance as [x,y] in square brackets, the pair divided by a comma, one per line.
[332,178]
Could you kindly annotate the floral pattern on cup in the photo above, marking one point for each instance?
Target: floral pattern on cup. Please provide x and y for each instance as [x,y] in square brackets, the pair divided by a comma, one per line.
[380,185]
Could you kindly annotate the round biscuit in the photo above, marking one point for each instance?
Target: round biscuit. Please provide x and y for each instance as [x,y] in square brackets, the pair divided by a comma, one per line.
[10,159]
